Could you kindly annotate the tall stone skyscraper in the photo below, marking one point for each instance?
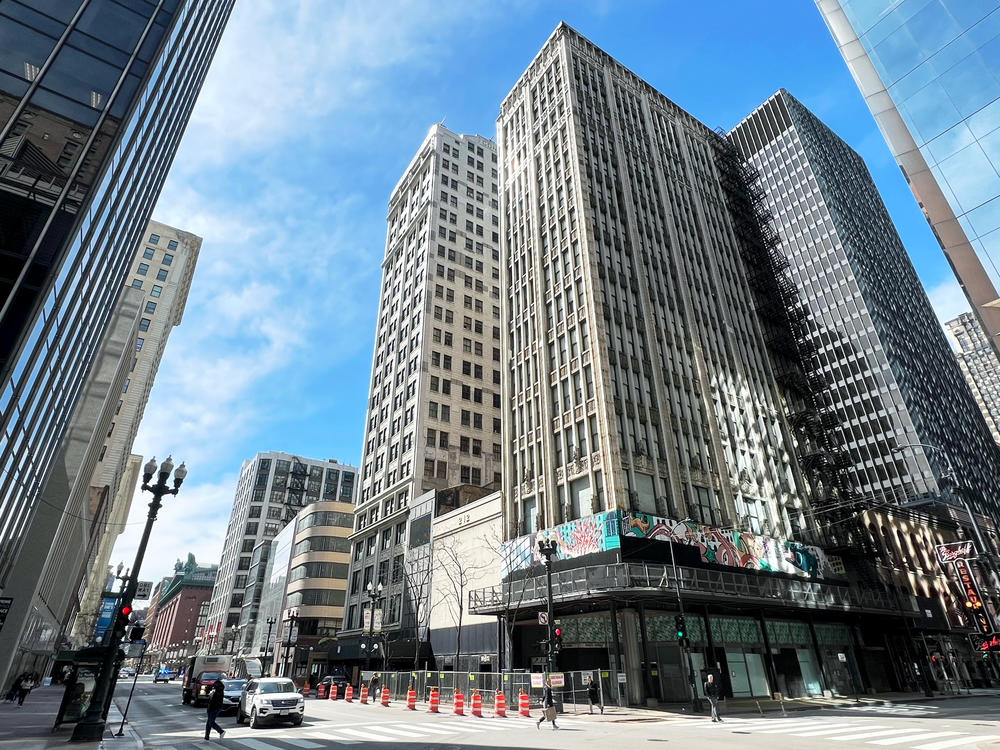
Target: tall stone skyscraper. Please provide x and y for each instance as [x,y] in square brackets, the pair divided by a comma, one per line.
[979,365]
[94,98]
[893,377]
[930,73]
[434,407]
[633,357]
[162,270]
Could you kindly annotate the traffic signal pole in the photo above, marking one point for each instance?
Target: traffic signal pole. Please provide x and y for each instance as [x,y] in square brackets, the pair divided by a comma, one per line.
[682,638]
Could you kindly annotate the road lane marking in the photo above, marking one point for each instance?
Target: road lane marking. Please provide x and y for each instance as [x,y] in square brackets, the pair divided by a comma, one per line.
[796,726]
[957,742]
[400,731]
[870,735]
[302,743]
[846,728]
[331,738]
[368,735]
[255,744]
[435,730]
[914,738]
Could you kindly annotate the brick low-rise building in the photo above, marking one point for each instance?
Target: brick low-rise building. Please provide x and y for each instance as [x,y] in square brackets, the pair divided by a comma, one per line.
[179,603]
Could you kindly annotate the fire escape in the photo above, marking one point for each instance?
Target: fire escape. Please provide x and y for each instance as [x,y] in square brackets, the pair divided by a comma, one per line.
[788,331]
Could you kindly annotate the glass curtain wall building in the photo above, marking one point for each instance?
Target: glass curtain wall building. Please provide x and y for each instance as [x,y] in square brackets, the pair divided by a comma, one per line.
[930,73]
[94,98]
[893,379]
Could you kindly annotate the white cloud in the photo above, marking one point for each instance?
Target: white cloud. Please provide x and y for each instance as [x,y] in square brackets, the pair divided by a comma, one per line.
[193,521]
[948,300]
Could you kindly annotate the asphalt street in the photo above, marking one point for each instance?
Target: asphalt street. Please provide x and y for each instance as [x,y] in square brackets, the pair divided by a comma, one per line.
[163,723]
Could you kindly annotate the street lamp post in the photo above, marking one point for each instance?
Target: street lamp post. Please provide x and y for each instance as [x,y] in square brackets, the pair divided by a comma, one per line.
[374,594]
[91,727]
[547,548]
[267,645]
[291,639]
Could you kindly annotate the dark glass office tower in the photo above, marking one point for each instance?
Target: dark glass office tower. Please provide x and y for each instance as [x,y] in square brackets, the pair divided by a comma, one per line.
[892,376]
[94,98]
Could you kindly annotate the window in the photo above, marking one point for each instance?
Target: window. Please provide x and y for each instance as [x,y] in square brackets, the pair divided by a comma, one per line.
[154,238]
[386,538]
[143,269]
[155,291]
[138,344]
[144,324]
[167,259]
[172,245]
[161,275]
[137,283]
[400,532]
[150,308]
[148,253]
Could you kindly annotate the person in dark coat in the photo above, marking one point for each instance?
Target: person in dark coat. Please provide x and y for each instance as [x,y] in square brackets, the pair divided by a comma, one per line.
[593,697]
[28,682]
[214,709]
[14,688]
[548,706]
[712,693]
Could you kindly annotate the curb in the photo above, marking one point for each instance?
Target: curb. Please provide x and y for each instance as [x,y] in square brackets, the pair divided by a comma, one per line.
[115,721]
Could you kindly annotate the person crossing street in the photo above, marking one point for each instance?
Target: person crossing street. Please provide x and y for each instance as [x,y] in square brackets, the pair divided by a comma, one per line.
[548,706]
[593,697]
[214,709]
[712,693]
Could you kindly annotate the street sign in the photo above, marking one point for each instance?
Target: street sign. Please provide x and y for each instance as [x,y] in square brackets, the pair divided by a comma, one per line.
[5,602]
[543,618]
[558,679]
[537,680]
[135,649]
[143,590]
[105,614]
[621,677]
[841,657]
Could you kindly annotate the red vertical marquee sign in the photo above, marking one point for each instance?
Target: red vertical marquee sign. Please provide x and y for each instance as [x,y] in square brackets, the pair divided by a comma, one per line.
[959,554]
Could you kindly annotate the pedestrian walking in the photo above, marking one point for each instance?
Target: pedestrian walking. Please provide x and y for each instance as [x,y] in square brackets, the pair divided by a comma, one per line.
[27,685]
[548,706]
[712,693]
[214,709]
[11,695]
[593,696]
[373,686]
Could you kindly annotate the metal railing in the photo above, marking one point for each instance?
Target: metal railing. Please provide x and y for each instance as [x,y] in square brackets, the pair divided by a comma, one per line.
[573,692]
[597,580]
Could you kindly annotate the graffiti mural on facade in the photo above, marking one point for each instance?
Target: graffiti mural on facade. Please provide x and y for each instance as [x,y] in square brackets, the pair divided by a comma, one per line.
[584,536]
[740,549]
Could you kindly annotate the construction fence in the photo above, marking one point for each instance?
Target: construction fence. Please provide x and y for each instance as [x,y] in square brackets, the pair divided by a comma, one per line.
[572,692]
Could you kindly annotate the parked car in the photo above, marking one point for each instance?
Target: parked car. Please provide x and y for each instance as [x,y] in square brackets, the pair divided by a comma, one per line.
[162,675]
[269,700]
[336,677]
[126,673]
[233,693]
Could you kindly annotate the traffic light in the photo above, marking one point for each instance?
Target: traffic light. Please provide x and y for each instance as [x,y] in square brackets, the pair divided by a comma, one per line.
[136,632]
[557,641]
[125,611]
[679,625]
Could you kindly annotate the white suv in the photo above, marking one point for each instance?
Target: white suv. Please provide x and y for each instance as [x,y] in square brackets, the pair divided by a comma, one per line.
[270,699]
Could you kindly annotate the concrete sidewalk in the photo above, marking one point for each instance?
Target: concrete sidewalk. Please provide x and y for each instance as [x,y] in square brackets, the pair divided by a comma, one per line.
[30,726]
[744,706]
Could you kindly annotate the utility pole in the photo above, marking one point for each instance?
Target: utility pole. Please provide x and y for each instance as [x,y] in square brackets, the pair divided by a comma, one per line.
[682,639]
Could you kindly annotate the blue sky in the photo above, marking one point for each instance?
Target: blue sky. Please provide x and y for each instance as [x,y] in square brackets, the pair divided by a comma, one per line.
[308,117]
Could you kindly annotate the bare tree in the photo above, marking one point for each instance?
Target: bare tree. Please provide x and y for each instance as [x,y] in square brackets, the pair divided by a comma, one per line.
[512,597]
[458,570]
[417,580]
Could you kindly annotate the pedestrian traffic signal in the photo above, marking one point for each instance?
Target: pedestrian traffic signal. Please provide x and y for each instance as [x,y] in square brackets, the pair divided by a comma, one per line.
[557,641]
[679,625]
[136,632]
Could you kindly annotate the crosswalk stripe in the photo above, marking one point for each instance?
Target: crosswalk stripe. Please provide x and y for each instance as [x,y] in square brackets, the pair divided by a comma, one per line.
[303,743]
[329,736]
[437,730]
[367,734]
[796,726]
[400,731]
[871,735]
[843,729]
[956,742]
[254,744]
[914,738]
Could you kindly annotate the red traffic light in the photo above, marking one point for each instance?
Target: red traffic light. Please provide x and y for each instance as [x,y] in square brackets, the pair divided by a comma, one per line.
[558,632]
[126,610]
